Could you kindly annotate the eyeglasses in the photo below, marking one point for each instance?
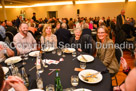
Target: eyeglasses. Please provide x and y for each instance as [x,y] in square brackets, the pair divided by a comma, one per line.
[100,32]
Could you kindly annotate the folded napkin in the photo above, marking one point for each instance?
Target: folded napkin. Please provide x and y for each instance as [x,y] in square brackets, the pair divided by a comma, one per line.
[50,61]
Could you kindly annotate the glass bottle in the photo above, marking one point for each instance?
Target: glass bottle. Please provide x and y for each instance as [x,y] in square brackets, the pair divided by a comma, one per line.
[39,81]
[58,86]
[39,63]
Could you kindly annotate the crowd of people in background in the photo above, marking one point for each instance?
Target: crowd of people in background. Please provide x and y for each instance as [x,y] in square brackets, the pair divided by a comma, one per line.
[55,31]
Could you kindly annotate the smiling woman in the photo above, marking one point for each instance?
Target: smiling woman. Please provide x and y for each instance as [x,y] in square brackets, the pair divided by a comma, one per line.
[106,54]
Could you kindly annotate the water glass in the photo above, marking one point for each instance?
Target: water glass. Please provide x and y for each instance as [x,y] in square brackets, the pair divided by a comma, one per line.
[74,80]
[74,54]
[82,65]
[59,52]
[50,87]
[54,51]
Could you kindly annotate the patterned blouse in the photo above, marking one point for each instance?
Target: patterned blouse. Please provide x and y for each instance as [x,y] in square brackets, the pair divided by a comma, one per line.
[49,41]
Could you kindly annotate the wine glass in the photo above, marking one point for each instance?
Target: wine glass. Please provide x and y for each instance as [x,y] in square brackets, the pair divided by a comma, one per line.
[74,80]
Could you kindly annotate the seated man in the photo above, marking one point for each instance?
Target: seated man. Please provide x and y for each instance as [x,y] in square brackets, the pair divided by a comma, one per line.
[5,51]
[24,41]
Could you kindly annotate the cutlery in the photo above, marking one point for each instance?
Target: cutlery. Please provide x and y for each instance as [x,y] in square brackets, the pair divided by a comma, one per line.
[84,58]
[52,71]
[92,74]
[32,68]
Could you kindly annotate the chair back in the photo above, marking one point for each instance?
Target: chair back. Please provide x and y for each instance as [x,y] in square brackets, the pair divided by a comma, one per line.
[118,53]
[10,36]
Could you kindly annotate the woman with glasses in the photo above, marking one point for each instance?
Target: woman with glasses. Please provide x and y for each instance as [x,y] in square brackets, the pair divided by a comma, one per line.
[106,50]
[47,38]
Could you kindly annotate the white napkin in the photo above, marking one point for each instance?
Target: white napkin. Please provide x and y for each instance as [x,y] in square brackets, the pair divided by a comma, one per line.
[50,61]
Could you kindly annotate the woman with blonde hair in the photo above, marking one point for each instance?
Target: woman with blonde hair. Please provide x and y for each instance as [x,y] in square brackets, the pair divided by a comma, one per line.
[106,50]
[47,38]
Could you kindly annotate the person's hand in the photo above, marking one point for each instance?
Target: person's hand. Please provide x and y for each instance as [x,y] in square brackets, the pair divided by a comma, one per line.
[117,88]
[124,63]
[80,50]
[122,87]
[16,83]
[1,47]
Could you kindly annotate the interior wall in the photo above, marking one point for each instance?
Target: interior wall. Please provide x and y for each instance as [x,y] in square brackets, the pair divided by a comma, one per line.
[70,11]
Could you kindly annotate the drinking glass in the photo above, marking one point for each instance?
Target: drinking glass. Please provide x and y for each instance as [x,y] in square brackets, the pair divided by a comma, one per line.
[24,57]
[59,52]
[74,54]
[54,51]
[74,80]
[50,87]
[82,65]
[63,53]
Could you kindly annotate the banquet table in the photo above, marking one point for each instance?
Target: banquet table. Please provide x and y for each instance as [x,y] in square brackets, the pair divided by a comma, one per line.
[66,71]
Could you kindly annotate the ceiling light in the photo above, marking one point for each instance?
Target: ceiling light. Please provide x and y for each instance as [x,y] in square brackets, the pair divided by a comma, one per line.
[99,1]
[51,4]
[43,4]
[132,0]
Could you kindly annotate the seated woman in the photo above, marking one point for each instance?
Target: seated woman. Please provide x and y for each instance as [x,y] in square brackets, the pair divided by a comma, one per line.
[106,50]
[130,82]
[47,38]
[82,42]
[126,70]
[5,51]
[12,81]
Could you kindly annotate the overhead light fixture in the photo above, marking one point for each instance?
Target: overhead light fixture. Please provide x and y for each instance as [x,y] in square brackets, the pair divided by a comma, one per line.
[51,4]
[132,0]
[42,4]
[99,1]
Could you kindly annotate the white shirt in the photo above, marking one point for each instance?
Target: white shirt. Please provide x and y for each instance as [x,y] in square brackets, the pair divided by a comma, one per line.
[2,56]
[24,44]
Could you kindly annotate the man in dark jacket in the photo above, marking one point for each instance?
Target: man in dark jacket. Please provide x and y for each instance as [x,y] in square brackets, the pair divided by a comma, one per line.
[63,35]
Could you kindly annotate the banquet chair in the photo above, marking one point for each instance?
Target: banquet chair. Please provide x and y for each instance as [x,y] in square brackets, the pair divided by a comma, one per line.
[9,38]
[118,54]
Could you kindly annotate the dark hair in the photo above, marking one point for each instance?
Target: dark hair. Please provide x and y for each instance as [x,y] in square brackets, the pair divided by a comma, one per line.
[34,13]
[1,77]
[71,19]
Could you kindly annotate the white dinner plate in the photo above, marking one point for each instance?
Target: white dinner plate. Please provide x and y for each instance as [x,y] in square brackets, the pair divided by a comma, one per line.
[69,50]
[13,60]
[36,90]
[48,49]
[34,53]
[5,70]
[88,58]
[82,89]
[92,80]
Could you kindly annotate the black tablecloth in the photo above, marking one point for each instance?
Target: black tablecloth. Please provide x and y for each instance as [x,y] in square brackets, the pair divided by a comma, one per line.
[66,71]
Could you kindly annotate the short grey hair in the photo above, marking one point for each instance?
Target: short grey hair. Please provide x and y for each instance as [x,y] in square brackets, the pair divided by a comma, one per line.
[64,25]
[79,29]
[85,26]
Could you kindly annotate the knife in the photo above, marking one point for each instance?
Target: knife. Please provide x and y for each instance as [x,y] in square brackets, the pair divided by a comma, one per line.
[92,74]
[84,58]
